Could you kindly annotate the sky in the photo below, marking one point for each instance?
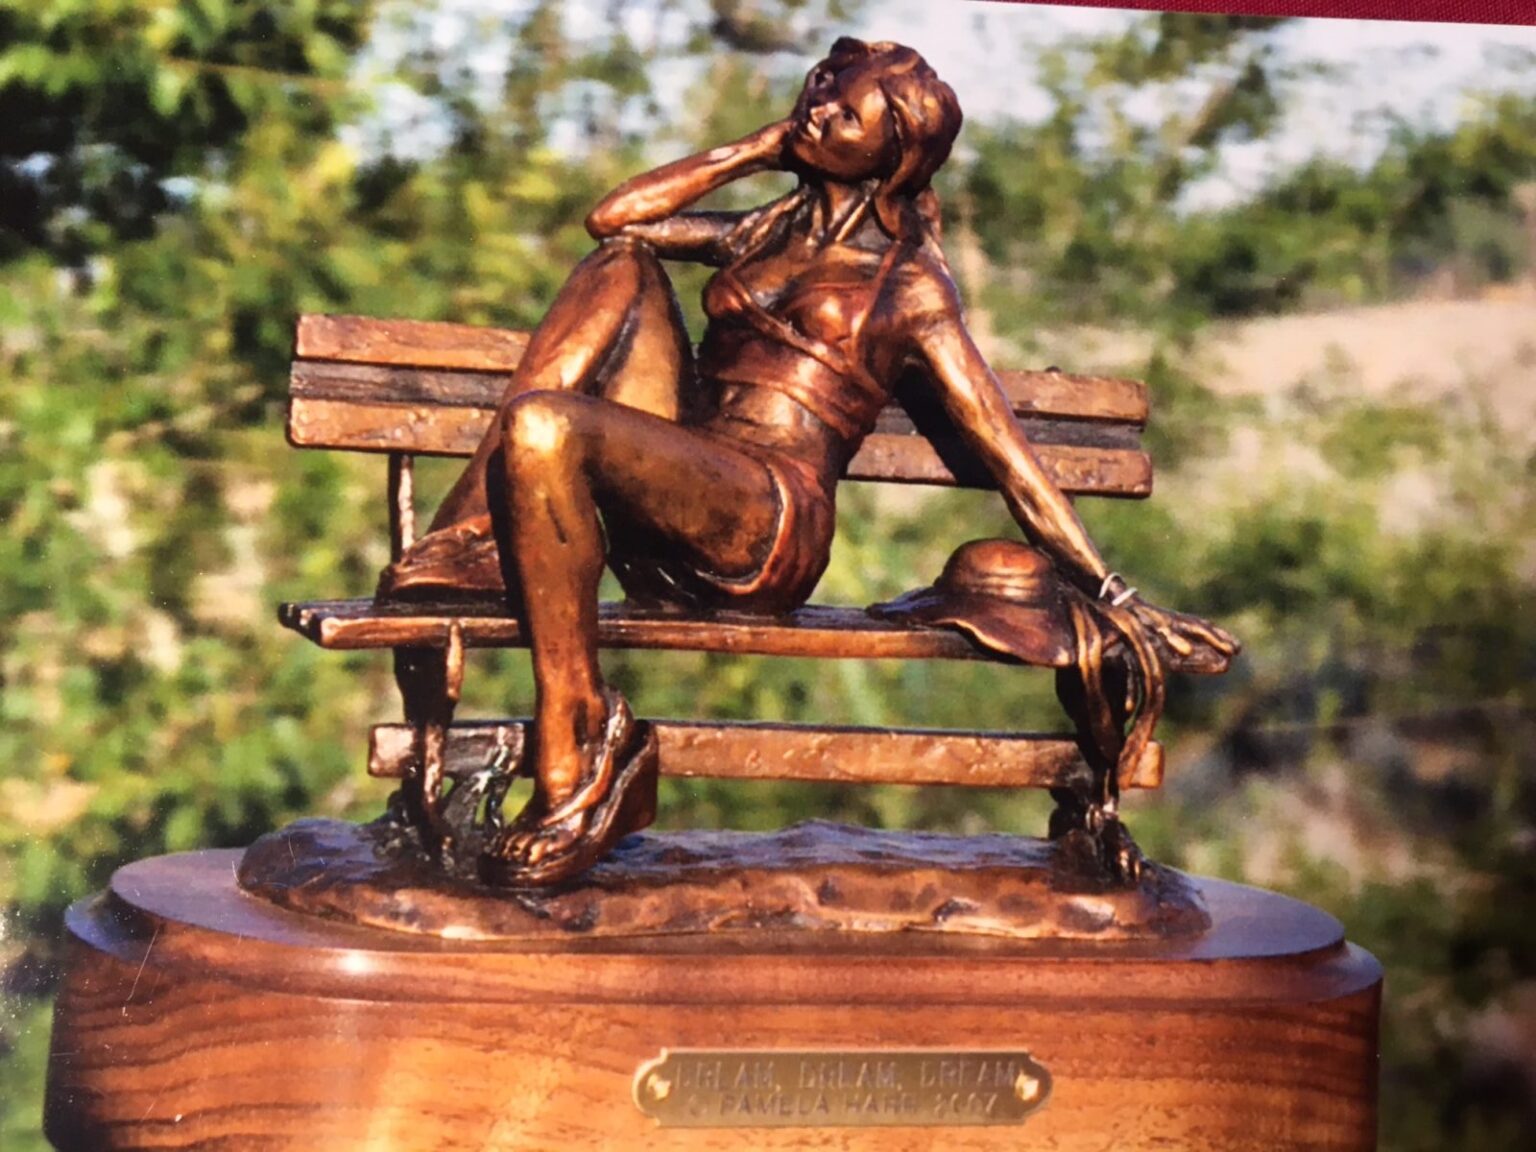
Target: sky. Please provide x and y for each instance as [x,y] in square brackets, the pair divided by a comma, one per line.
[985,54]
[1423,73]
[1426,73]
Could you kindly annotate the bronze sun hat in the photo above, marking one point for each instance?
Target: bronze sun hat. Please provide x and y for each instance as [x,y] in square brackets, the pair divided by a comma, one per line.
[1004,594]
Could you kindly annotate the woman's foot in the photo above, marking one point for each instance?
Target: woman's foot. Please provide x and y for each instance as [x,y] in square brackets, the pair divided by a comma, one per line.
[616,795]
[458,562]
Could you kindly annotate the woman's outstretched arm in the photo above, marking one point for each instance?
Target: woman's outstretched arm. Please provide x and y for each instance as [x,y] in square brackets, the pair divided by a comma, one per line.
[975,401]
[650,206]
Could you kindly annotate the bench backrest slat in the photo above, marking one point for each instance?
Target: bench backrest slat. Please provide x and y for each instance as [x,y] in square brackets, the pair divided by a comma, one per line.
[408,343]
[430,345]
[429,388]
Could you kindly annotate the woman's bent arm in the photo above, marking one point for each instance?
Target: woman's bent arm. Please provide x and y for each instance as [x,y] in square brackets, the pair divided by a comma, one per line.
[697,237]
[648,205]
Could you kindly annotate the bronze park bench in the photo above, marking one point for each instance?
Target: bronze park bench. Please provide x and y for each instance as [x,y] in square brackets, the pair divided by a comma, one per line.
[407,388]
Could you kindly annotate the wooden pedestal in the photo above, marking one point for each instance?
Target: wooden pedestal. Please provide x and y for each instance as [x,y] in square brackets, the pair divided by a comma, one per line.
[196,1016]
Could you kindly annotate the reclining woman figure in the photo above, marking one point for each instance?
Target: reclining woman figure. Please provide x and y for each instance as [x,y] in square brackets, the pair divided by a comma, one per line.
[710,480]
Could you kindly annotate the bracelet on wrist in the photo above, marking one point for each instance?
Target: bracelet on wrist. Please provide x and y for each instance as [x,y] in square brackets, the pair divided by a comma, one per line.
[1115,590]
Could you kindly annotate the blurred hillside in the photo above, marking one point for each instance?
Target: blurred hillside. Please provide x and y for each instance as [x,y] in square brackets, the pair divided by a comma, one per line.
[1341,367]
[1479,350]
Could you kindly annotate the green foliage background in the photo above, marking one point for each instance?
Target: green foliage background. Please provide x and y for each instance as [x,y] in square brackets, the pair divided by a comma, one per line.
[179,178]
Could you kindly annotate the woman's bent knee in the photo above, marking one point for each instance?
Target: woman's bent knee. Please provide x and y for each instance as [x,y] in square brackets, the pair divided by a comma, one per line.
[623,264]
[539,425]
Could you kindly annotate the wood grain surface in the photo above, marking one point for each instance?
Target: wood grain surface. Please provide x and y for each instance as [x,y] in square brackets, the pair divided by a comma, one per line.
[1052,407]
[415,343]
[817,630]
[754,750]
[435,346]
[430,429]
[814,630]
[431,389]
[194,1017]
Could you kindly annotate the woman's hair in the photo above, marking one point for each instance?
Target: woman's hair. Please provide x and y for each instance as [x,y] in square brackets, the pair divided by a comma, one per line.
[926,118]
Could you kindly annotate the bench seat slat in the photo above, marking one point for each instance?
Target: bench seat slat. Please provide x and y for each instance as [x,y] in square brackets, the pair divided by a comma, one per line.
[816,630]
[764,751]
[812,631]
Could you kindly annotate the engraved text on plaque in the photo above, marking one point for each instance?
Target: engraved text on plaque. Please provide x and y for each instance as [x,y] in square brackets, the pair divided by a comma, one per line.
[697,1088]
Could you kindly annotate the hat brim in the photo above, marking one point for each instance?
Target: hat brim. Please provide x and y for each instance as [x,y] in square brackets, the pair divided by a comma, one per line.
[1038,633]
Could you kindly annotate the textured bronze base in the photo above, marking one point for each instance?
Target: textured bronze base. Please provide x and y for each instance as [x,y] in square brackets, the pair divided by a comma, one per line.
[193,1015]
[814,876]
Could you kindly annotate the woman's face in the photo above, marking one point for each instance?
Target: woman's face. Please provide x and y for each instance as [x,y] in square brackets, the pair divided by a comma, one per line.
[842,125]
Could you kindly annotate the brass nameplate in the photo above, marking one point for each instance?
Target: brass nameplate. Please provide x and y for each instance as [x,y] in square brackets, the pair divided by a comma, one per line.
[744,1088]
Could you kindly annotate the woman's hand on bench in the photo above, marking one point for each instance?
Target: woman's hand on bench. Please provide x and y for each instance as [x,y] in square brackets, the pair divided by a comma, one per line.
[1183,635]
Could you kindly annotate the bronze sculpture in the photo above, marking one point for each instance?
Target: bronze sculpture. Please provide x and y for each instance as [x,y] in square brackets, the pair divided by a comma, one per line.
[710,480]
[879,980]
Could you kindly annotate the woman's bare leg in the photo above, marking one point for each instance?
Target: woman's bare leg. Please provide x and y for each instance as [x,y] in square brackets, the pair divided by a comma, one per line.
[615,330]
[568,459]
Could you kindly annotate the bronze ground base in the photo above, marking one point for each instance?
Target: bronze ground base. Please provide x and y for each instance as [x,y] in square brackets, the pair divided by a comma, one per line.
[815,876]
[196,1015]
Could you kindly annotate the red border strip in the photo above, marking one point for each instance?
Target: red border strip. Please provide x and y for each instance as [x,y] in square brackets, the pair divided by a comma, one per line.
[1446,11]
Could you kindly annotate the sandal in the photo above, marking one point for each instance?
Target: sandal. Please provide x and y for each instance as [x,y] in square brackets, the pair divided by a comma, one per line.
[458,562]
[617,796]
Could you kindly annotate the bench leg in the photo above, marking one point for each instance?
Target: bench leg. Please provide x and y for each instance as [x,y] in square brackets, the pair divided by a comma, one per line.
[1091,816]
[430,681]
